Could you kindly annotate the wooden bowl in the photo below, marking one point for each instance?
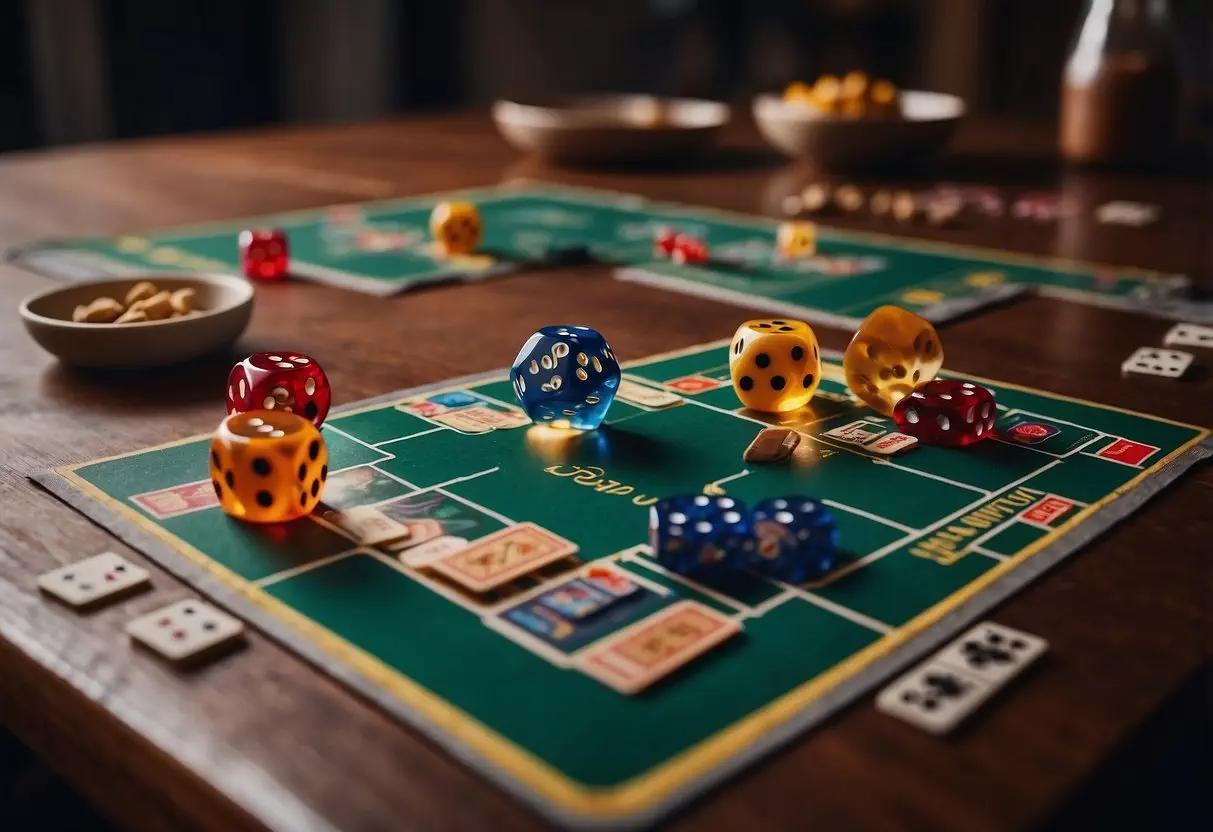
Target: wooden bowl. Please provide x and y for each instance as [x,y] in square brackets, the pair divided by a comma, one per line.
[833,142]
[611,128]
[225,303]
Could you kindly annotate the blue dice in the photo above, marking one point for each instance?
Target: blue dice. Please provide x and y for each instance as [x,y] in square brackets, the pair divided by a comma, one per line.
[797,539]
[694,534]
[566,376]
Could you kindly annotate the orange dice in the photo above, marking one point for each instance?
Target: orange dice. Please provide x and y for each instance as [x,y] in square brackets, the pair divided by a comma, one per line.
[893,352]
[268,466]
[775,364]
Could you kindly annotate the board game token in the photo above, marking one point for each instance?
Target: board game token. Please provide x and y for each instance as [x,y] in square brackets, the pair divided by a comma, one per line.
[456,227]
[653,648]
[368,525]
[772,445]
[796,240]
[186,632]
[102,578]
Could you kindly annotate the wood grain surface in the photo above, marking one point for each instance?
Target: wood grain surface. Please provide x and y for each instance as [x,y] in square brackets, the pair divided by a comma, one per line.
[261,739]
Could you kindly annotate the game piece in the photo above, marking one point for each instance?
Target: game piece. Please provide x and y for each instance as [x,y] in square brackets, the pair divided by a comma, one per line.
[368,525]
[502,556]
[264,254]
[947,412]
[186,632]
[797,539]
[689,249]
[890,444]
[1121,212]
[689,534]
[566,376]
[934,697]
[881,203]
[654,647]
[905,206]
[775,364]
[849,198]
[893,352]
[664,242]
[815,198]
[992,653]
[772,445]
[101,578]
[1189,335]
[456,227]
[796,240]
[1148,361]
[285,380]
[268,466]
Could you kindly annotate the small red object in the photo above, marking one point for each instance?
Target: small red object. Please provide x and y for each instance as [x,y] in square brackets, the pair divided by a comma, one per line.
[264,253]
[689,249]
[948,413]
[663,243]
[283,380]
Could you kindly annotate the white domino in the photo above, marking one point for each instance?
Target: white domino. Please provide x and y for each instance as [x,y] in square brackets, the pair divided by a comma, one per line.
[934,696]
[186,630]
[993,653]
[1189,335]
[100,578]
[1149,361]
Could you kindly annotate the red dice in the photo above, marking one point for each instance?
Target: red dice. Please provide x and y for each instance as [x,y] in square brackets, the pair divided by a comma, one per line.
[663,243]
[945,412]
[689,249]
[264,254]
[279,381]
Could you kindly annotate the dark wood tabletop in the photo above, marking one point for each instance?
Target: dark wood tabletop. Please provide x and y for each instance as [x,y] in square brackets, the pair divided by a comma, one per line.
[262,739]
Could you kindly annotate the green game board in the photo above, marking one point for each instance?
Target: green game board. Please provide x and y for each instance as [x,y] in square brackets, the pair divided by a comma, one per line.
[931,540]
[852,274]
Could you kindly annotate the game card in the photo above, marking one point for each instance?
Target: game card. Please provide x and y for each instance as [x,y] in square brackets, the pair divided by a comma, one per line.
[635,393]
[657,646]
[504,555]
[481,419]
[576,600]
[180,499]
[693,384]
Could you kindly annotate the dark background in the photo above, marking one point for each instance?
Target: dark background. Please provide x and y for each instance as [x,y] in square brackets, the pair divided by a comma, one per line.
[85,70]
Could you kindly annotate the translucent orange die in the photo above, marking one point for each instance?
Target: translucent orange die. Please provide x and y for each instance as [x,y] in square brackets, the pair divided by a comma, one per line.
[268,466]
[456,227]
[893,352]
[775,364]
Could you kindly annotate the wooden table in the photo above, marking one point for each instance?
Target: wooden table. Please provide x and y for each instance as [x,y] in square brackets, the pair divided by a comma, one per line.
[263,739]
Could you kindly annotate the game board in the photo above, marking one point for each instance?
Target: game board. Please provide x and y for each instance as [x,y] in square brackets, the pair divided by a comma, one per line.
[382,248]
[931,540]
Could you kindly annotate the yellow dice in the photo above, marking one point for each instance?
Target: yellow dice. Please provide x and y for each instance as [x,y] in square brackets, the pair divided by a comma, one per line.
[893,352]
[775,364]
[268,466]
[794,240]
[456,227]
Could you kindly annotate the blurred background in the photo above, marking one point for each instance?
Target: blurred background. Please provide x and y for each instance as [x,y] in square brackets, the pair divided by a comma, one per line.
[88,70]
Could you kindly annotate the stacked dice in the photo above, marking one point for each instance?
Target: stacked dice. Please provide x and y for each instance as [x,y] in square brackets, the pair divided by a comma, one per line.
[791,539]
[891,364]
[268,461]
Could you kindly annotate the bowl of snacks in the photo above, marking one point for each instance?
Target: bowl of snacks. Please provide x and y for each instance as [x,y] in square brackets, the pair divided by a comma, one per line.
[854,122]
[146,321]
[607,129]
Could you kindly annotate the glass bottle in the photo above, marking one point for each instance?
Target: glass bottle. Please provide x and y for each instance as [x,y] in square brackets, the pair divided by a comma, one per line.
[1121,88]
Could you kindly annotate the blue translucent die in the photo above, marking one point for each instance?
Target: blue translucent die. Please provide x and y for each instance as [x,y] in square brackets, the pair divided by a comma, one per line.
[699,533]
[566,376]
[796,539]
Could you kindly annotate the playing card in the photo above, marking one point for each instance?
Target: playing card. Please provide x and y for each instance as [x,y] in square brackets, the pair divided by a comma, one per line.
[177,500]
[575,599]
[432,550]
[500,557]
[890,443]
[857,433]
[992,653]
[481,419]
[655,647]
[185,631]
[1189,335]
[367,525]
[934,697]
[1149,361]
[104,577]
[633,392]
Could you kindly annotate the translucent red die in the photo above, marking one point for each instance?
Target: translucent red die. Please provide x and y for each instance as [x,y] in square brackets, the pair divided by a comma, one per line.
[946,412]
[688,248]
[287,381]
[264,254]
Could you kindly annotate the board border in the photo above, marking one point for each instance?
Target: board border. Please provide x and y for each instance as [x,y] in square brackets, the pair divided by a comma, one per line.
[648,797]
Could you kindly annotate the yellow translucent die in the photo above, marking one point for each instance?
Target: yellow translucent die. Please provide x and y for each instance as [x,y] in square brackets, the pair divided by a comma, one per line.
[456,227]
[268,466]
[775,364]
[893,352]
[794,240]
